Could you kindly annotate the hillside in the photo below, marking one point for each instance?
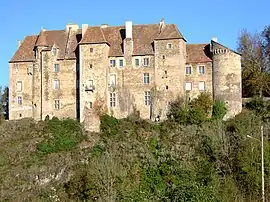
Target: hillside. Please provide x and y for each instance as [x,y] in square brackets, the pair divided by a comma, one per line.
[132,160]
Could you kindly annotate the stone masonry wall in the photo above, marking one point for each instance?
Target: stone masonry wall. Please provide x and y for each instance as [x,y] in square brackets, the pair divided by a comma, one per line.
[227,81]
[18,72]
[67,92]
[168,86]
[93,66]
[195,77]
[130,87]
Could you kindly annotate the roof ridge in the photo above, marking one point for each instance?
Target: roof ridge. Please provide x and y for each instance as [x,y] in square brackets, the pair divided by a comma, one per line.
[225,47]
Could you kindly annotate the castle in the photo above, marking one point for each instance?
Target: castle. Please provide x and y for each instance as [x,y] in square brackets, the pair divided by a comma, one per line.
[82,73]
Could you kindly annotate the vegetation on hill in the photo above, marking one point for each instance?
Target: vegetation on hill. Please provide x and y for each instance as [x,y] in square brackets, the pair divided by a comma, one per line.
[192,158]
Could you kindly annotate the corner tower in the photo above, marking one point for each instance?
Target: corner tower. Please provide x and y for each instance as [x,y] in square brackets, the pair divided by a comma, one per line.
[227,80]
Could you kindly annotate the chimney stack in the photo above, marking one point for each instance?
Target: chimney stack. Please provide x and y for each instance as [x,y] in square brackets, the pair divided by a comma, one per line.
[19,43]
[214,39]
[84,28]
[71,26]
[104,25]
[128,26]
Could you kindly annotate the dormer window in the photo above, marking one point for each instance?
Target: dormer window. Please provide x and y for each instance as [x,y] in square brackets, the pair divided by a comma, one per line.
[54,51]
[112,63]
[146,61]
[169,46]
[121,63]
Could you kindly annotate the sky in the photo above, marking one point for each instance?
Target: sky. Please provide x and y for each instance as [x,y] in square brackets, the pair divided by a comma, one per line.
[198,20]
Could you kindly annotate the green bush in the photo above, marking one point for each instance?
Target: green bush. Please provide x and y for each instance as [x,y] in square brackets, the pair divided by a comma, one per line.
[219,110]
[108,125]
[63,135]
[257,104]
[195,112]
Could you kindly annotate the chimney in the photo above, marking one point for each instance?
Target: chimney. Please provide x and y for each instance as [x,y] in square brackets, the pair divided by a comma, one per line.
[128,26]
[72,27]
[19,43]
[128,43]
[214,39]
[84,28]
[161,25]
[104,25]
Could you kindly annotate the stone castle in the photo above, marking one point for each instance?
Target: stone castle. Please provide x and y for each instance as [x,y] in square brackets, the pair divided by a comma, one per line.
[82,73]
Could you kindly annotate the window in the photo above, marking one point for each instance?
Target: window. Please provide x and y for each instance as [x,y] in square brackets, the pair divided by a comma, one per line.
[112,80]
[201,85]
[16,66]
[188,86]
[188,70]
[166,87]
[112,63]
[90,105]
[121,63]
[54,51]
[19,100]
[145,61]
[169,45]
[147,98]
[146,78]
[77,84]
[19,86]
[201,70]
[112,99]
[165,74]
[56,84]
[30,70]
[137,62]
[56,68]
[56,104]
[163,57]
[90,66]
[91,50]
[90,83]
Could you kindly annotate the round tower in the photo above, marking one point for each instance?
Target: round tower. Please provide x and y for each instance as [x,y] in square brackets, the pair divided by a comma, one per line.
[227,80]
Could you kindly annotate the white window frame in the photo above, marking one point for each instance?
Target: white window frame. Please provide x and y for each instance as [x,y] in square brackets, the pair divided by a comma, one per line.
[203,69]
[56,84]
[112,99]
[17,89]
[138,59]
[111,83]
[202,89]
[54,51]
[188,86]
[120,63]
[147,98]
[20,101]
[189,66]
[91,83]
[169,46]
[111,64]
[146,78]
[57,105]
[148,62]
[54,67]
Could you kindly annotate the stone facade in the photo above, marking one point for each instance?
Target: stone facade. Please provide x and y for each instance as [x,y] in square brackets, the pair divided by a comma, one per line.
[84,73]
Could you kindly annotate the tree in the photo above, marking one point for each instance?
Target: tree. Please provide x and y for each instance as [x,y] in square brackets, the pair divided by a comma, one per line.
[4,102]
[254,48]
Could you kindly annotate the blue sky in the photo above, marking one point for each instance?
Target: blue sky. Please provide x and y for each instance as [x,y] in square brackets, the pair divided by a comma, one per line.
[198,20]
